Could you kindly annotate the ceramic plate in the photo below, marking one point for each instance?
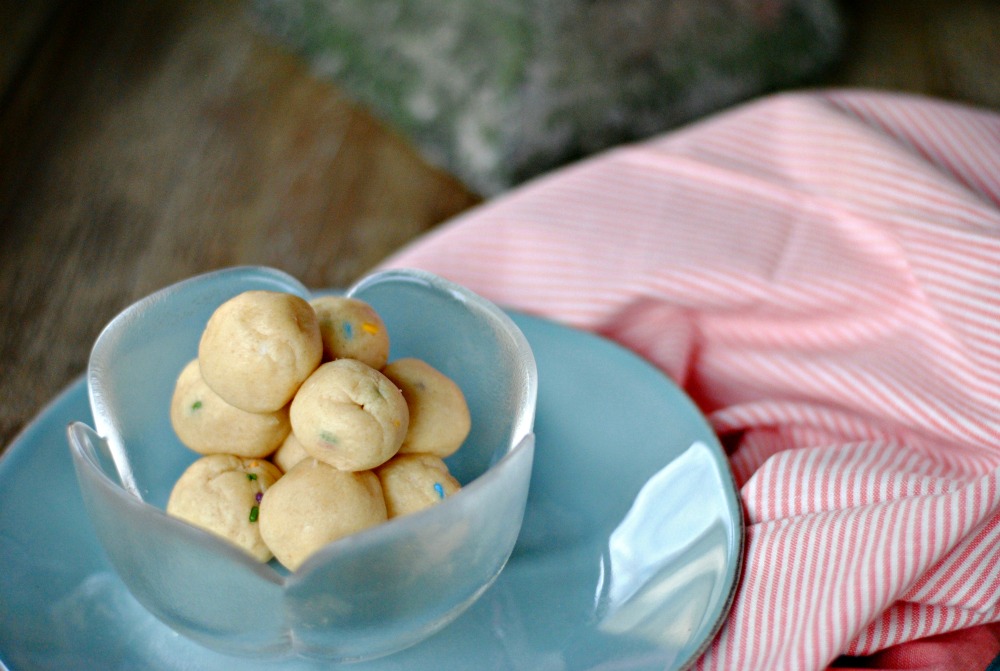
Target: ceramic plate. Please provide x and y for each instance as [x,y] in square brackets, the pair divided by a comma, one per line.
[628,557]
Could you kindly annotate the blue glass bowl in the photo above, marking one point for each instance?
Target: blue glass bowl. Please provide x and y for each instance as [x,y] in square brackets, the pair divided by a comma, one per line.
[363,596]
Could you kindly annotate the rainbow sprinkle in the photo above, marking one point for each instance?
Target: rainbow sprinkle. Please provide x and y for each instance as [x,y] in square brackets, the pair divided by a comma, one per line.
[348,330]
[369,328]
[439,489]
[253,513]
[251,476]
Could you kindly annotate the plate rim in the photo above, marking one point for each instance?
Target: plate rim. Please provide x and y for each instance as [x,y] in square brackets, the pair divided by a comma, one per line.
[76,388]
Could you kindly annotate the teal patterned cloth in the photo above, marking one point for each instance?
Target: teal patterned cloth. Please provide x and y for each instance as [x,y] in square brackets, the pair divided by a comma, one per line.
[498,91]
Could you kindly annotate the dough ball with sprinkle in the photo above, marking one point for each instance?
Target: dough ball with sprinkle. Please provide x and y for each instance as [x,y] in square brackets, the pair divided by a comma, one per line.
[351,329]
[349,416]
[412,482]
[208,425]
[314,504]
[258,347]
[221,493]
[439,414]
[289,453]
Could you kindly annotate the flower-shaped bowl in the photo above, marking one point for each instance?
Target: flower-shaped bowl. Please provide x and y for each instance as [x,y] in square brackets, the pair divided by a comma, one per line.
[366,595]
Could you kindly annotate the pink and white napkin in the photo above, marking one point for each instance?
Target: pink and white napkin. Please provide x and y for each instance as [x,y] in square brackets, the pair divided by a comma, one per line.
[821,273]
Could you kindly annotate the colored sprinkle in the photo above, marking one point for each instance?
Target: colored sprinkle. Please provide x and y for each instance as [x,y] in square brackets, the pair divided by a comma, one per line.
[258,496]
[196,405]
[253,513]
[368,327]
[348,330]
[251,476]
[328,437]
[254,464]
[439,489]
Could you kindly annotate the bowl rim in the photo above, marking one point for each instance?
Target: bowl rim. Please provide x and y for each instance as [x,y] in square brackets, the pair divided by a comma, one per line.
[105,433]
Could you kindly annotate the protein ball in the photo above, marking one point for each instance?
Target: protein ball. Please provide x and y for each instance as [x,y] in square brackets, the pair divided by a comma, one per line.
[315,504]
[289,453]
[439,414]
[208,425]
[351,329]
[349,416]
[221,493]
[258,347]
[412,482]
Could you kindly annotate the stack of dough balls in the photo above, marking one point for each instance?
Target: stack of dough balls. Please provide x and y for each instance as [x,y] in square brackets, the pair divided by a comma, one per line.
[307,433]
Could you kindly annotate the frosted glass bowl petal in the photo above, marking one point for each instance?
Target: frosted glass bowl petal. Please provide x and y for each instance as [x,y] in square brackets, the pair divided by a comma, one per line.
[366,595]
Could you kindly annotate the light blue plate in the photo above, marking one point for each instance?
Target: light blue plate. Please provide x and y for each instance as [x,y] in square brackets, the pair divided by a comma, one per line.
[628,556]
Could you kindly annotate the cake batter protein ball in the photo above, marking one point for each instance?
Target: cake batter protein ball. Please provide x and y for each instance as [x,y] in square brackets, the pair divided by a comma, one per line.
[289,453]
[439,414]
[258,347]
[222,493]
[351,329]
[412,482]
[314,504]
[349,415]
[209,425]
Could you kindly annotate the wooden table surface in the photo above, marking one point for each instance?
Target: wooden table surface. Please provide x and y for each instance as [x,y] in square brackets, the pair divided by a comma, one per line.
[166,140]
[142,143]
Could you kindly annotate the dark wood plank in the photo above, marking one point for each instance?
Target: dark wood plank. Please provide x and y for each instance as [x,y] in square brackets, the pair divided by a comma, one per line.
[171,140]
[943,48]
[23,28]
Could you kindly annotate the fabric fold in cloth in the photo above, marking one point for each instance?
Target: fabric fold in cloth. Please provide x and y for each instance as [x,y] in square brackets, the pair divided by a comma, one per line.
[820,272]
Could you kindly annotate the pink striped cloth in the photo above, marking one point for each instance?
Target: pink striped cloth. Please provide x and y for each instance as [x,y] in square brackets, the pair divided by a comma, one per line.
[821,273]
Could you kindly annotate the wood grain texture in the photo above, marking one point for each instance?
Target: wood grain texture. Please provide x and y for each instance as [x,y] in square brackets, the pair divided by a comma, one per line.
[141,143]
[943,48]
[171,140]
[24,27]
